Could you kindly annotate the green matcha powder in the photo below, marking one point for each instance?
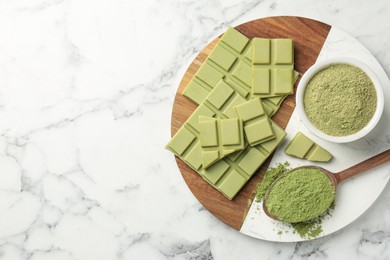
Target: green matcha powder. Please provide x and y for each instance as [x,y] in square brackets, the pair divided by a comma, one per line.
[340,100]
[301,195]
[270,176]
[308,229]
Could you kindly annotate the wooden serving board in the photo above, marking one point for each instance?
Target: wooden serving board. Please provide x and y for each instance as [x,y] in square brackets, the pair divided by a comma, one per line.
[308,36]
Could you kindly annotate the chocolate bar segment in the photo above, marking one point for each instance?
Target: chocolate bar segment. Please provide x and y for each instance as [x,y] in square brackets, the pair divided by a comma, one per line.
[257,125]
[303,147]
[219,137]
[228,61]
[272,67]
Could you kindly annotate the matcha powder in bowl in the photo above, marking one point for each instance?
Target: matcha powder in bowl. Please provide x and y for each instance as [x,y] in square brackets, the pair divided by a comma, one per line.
[340,99]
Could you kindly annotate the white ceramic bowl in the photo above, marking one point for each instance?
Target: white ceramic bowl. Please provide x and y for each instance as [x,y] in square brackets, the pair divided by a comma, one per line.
[321,65]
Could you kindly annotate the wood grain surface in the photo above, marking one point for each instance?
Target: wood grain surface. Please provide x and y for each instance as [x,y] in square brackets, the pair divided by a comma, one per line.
[308,36]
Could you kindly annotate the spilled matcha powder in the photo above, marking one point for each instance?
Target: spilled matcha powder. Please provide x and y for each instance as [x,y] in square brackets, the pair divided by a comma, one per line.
[340,100]
[312,228]
[309,229]
[301,195]
[269,177]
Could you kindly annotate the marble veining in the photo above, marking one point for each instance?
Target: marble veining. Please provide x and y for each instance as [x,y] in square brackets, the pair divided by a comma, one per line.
[86,93]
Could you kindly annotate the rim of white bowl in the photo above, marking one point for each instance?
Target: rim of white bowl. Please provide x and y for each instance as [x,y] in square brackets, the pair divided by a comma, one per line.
[326,63]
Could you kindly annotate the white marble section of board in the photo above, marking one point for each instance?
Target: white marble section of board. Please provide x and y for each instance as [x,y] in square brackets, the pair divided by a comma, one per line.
[354,196]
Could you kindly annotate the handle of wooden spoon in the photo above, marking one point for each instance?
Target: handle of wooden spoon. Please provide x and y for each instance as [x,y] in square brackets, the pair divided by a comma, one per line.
[363,166]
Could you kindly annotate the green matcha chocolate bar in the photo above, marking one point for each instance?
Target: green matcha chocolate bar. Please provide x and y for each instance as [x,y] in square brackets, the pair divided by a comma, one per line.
[302,147]
[219,137]
[229,174]
[272,67]
[230,60]
[257,125]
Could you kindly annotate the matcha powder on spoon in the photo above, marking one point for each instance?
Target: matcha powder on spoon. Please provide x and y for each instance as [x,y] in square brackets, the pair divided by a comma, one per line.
[300,195]
[340,100]
[309,229]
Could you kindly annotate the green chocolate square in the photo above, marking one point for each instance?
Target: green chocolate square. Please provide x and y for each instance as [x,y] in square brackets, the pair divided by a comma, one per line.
[230,131]
[183,139]
[193,158]
[209,157]
[248,53]
[243,73]
[261,81]
[299,146]
[215,171]
[196,91]
[222,57]
[209,74]
[250,109]
[258,132]
[284,51]
[235,39]
[252,161]
[208,131]
[318,154]
[283,81]
[262,55]
[302,146]
[232,184]
[219,97]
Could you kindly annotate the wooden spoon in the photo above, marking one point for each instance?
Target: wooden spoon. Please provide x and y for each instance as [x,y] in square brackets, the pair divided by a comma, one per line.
[337,178]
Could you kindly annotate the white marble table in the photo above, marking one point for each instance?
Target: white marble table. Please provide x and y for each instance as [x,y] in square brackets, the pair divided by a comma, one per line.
[86,92]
